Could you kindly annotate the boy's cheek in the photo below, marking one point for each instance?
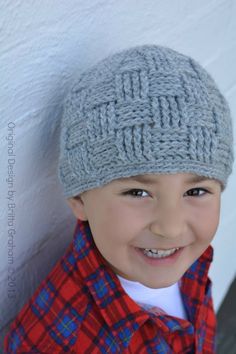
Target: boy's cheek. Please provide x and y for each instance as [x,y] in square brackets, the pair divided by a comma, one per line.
[209,229]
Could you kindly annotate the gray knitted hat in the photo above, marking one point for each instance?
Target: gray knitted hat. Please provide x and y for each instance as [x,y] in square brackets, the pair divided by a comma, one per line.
[147,109]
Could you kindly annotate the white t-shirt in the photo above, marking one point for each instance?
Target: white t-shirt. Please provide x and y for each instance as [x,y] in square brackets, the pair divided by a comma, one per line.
[168,299]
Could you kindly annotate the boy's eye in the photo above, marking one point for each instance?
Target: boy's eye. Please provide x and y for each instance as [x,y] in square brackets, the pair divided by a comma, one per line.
[137,193]
[140,193]
[196,192]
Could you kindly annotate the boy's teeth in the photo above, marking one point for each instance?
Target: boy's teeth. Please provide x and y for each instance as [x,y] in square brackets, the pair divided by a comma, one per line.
[154,253]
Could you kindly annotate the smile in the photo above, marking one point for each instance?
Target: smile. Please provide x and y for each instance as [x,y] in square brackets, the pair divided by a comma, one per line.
[156,253]
[159,257]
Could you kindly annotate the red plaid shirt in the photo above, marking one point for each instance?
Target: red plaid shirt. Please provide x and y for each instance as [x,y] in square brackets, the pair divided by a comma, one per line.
[81,307]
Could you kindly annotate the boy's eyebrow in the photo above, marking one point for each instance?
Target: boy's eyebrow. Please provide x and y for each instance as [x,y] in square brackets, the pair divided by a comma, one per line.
[149,180]
[140,178]
[197,178]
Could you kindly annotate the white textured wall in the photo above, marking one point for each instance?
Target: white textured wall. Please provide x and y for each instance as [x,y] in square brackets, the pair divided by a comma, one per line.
[41,45]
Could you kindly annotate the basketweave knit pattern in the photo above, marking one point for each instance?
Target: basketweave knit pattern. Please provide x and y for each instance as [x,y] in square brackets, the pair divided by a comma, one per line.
[146,109]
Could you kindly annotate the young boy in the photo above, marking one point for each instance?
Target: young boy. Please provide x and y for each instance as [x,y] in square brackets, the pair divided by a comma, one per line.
[146,150]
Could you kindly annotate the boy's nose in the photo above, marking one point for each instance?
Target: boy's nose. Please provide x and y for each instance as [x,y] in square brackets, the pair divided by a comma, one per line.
[170,222]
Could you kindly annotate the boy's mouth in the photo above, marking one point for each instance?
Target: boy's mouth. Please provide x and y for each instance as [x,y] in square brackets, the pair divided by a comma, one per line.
[158,257]
[158,253]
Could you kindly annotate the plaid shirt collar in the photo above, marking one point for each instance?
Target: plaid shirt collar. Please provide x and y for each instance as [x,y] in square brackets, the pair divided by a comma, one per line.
[105,288]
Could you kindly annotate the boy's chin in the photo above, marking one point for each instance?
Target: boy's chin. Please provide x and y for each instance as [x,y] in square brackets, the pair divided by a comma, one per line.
[159,284]
[151,282]
[161,280]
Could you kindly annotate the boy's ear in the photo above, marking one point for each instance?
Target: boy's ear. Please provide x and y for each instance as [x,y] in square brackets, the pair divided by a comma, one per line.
[77,206]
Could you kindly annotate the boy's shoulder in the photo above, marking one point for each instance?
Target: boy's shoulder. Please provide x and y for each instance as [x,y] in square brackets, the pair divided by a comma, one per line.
[54,312]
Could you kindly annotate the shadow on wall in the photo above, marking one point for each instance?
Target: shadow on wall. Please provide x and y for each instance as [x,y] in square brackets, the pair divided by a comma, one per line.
[226,316]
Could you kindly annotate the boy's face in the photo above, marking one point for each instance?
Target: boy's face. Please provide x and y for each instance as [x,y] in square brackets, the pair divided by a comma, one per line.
[167,212]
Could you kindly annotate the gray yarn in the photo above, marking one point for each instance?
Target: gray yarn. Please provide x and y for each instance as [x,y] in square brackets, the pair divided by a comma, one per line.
[147,109]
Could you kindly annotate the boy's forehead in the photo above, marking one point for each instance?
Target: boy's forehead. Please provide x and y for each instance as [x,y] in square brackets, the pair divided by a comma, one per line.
[155,178]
